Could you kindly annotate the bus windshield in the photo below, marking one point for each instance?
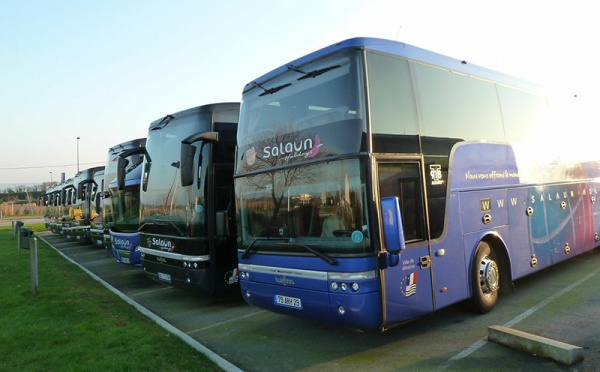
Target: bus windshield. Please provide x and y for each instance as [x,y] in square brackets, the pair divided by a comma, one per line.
[320,205]
[298,115]
[125,206]
[166,206]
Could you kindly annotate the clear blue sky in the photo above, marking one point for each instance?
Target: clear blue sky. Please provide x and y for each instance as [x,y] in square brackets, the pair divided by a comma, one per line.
[102,70]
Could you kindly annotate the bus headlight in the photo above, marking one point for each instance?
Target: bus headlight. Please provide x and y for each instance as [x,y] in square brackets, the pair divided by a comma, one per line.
[334,286]
[355,287]
[344,287]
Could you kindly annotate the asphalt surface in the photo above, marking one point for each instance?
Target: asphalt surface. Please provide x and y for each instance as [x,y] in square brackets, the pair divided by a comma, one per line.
[561,303]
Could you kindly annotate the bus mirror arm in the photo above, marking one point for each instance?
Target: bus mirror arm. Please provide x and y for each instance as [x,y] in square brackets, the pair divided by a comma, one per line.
[387,259]
[188,152]
[393,233]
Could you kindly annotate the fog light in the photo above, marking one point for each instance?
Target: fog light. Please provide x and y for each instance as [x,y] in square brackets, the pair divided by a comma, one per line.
[355,287]
[248,294]
[188,280]
[341,310]
[344,287]
[334,286]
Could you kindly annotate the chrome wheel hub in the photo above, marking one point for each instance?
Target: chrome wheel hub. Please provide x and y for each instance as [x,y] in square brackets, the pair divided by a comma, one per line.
[489,276]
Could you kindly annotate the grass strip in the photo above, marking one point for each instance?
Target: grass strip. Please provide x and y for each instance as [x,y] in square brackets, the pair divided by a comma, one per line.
[76,324]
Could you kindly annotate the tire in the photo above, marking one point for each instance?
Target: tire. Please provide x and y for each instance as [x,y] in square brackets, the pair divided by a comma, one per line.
[485,279]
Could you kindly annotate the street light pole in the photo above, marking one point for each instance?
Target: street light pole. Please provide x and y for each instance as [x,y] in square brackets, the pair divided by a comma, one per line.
[77,154]
[50,177]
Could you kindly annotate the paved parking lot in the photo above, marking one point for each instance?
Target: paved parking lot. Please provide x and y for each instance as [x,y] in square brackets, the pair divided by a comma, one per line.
[562,303]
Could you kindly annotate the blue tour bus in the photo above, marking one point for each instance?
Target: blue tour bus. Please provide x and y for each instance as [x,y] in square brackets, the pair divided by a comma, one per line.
[377,182]
[100,228]
[125,205]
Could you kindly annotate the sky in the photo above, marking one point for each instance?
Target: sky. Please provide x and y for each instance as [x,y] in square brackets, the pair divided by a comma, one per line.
[103,70]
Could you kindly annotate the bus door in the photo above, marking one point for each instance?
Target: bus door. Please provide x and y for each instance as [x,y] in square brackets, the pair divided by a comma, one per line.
[406,287]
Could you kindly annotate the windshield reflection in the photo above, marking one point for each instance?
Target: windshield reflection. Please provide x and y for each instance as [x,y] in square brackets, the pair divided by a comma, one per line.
[168,208]
[321,204]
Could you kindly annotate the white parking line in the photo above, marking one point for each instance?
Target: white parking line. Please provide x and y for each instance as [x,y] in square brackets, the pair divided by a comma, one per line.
[474,347]
[142,293]
[225,322]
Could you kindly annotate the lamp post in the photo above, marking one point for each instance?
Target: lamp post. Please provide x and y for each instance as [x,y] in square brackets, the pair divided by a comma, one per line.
[77,154]
[50,177]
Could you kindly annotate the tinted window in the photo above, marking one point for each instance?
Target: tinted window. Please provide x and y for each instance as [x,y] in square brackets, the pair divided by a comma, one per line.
[393,110]
[457,106]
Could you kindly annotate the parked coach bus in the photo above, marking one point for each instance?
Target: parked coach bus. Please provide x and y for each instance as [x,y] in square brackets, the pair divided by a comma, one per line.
[84,188]
[99,231]
[56,208]
[377,182]
[49,200]
[97,206]
[125,204]
[187,229]
[66,208]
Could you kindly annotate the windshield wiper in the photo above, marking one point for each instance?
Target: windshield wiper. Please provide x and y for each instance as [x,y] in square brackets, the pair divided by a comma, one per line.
[294,68]
[246,252]
[271,90]
[147,225]
[316,73]
[321,255]
[163,122]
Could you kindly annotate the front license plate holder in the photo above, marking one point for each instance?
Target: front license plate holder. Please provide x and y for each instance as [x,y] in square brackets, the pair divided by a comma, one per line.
[164,277]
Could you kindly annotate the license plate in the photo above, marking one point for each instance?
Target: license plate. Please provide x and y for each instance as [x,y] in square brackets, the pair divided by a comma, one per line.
[164,277]
[286,301]
[126,260]
[99,242]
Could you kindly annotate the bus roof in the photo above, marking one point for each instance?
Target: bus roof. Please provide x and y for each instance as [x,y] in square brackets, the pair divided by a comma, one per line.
[208,108]
[116,149]
[402,50]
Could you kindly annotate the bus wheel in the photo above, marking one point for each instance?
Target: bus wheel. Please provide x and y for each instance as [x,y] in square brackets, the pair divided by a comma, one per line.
[485,279]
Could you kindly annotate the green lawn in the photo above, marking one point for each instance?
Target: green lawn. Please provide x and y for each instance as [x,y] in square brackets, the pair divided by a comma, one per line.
[76,324]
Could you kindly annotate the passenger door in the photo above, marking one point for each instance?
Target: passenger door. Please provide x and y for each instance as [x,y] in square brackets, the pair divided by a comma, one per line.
[406,288]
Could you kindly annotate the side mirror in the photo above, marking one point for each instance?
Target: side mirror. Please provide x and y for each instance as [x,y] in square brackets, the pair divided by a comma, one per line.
[393,233]
[98,201]
[186,166]
[121,166]
[145,175]
[222,223]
